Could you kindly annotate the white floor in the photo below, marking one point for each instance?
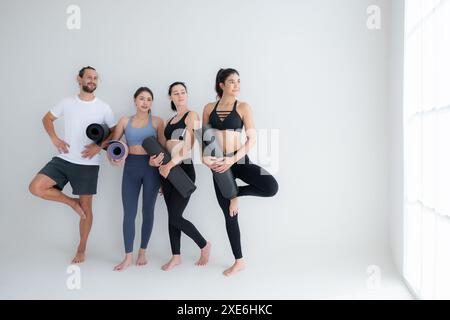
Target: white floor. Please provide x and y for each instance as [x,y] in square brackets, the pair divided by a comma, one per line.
[31,272]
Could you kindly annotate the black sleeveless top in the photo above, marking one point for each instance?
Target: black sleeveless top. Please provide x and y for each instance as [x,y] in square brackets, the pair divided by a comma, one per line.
[226,120]
[179,128]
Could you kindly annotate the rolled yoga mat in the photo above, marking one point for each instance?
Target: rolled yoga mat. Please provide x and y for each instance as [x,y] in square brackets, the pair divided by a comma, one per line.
[117,150]
[211,147]
[179,179]
[97,132]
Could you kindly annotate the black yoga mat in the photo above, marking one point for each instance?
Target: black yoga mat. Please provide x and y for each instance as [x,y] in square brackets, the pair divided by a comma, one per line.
[180,180]
[97,132]
[211,147]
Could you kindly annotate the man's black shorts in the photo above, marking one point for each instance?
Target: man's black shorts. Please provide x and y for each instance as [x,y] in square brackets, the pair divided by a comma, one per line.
[82,178]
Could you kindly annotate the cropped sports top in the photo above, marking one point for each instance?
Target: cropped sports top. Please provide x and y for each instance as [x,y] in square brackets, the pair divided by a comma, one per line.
[177,127]
[226,120]
[135,136]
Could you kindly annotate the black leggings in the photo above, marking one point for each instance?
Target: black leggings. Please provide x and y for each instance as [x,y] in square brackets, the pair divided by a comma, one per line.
[175,207]
[259,183]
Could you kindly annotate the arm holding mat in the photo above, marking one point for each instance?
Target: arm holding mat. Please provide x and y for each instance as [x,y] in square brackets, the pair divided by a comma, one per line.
[177,176]
[225,181]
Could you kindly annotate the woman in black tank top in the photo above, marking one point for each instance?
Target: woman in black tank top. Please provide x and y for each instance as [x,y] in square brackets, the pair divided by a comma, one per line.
[178,137]
[229,116]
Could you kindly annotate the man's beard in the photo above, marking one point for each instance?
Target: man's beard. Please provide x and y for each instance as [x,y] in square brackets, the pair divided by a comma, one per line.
[88,90]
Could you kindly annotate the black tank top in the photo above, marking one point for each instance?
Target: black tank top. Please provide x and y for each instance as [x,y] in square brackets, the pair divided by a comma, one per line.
[179,128]
[226,120]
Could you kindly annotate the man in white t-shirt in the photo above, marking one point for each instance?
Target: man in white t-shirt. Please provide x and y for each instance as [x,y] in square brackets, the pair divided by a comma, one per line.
[78,159]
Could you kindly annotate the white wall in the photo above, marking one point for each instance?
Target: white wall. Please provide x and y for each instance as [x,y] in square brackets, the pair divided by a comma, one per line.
[395,116]
[311,69]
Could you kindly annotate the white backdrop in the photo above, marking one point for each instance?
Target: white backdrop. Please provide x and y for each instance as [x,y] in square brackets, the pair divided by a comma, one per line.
[311,69]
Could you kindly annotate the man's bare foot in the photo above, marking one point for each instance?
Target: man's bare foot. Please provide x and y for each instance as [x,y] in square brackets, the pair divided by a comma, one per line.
[204,255]
[128,261]
[174,261]
[234,206]
[77,208]
[237,266]
[79,257]
[141,260]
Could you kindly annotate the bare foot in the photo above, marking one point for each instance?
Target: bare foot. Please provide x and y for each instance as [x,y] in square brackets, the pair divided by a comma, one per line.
[77,208]
[233,206]
[79,257]
[174,261]
[141,260]
[128,261]
[237,266]
[204,255]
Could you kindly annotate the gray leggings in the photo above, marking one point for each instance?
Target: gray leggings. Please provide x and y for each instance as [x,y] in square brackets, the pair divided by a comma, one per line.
[136,173]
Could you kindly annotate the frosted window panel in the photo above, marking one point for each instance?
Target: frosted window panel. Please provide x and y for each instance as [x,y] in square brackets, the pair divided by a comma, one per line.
[413,14]
[429,65]
[418,10]
[428,6]
[443,53]
[427,147]
[443,163]
[429,160]
[413,159]
[428,253]
[443,258]
[413,75]
[413,247]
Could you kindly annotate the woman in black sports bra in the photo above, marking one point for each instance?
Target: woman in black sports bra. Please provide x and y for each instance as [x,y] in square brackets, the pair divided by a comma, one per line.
[228,116]
[178,138]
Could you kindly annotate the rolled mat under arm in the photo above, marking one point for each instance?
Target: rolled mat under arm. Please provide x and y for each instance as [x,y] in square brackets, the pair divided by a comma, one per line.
[97,132]
[225,181]
[179,179]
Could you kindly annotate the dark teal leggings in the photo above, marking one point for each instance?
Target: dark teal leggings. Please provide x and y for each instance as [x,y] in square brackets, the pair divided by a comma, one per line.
[138,173]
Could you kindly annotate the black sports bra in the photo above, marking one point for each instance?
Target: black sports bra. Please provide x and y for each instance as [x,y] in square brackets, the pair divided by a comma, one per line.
[179,128]
[226,120]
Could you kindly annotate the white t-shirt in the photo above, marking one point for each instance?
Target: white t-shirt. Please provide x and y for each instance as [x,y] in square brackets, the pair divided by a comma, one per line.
[77,115]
